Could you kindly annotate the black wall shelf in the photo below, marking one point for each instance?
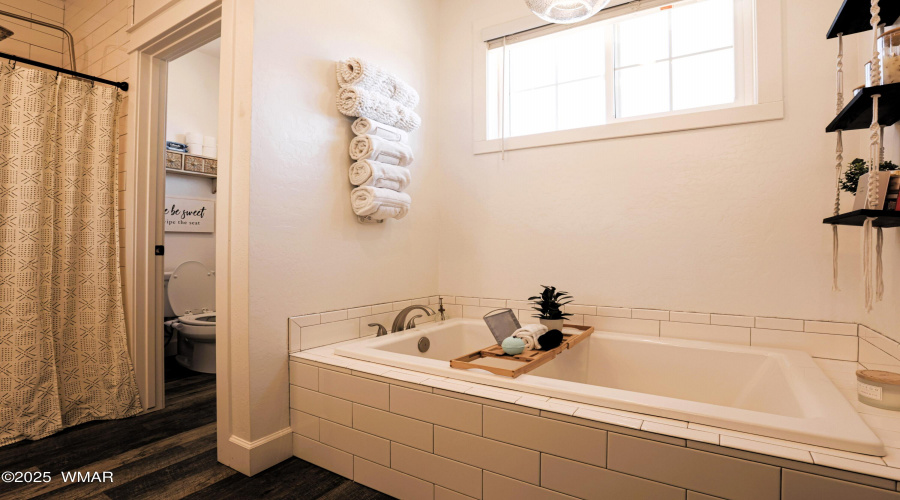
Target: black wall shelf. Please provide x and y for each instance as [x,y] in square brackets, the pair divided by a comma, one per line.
[883,218]
[858,113]
[854,16]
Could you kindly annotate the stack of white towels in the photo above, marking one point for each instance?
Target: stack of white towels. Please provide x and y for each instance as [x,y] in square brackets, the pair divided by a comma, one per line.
[384,105]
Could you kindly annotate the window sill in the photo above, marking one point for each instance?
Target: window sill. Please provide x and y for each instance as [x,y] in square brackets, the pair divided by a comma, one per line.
[673,123]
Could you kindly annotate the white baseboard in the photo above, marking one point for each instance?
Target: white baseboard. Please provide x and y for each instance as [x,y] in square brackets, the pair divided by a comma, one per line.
[251,457]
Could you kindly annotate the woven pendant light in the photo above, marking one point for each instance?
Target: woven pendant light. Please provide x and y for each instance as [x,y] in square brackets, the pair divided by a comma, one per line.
[565,11]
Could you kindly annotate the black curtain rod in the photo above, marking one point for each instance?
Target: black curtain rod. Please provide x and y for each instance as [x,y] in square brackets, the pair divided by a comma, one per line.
[120,85]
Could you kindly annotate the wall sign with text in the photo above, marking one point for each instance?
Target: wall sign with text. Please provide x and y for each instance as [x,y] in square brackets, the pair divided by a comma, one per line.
[188,215]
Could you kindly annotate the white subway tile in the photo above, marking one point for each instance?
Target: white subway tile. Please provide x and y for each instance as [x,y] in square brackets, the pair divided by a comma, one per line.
[468,301]
[453,311]
[436,469]
[358,443]
[304,375]
[607,418]
[382,308]
[709,333]
[818,345]
[394,427]
[614,312]
[731,320]
[293,337]
[401,305]
[513,461]
[832,328]
[680,432]
[358,312]
[448,299]
[689,317]
[332,316]
[324,456]
[766,448]
[433,300]
[305,424]
[656,314]
[623,325]
[885,344]
[578,309]
[494,303]
[328,333]
[406,376]
[856,466]
[357,389]
[321,405]
[870,355]
[307,320]
[506,396]
[779,324]
[390,481]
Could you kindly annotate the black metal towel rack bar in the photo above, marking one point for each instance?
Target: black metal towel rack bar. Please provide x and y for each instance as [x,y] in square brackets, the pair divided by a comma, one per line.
[120,85]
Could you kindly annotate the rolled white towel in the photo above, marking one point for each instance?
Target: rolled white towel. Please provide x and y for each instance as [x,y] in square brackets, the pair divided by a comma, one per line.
[380,175]
[209,141]
[366,75]
[530,334]
[378,203]
[365,126]
[194,137]
[354,101]
[371,147]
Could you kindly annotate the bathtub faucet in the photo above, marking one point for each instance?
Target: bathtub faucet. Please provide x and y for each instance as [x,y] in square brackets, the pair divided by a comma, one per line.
[400,322]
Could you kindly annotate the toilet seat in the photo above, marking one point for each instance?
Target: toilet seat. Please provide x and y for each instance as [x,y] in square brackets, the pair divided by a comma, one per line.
[201,319]
[192,295]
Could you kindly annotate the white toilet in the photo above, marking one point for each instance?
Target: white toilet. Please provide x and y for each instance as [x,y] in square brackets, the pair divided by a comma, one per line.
[192,294]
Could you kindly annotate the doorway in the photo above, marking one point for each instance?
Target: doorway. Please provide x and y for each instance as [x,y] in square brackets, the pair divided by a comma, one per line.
[189,213]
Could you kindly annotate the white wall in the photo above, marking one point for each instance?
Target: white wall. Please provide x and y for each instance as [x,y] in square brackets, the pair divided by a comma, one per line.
[192,106]
[193,97]
[307,252]
[726,220]
[33,41]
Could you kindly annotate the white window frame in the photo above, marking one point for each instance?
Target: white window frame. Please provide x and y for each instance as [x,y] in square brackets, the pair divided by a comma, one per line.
[760,94]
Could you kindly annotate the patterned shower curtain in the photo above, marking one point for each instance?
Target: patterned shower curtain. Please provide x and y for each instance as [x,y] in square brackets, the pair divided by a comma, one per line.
[63,351]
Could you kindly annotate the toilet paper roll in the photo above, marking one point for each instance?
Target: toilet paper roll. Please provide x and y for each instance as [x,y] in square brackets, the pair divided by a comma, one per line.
[194,137]
[209,151]
[195,148]
[209,141]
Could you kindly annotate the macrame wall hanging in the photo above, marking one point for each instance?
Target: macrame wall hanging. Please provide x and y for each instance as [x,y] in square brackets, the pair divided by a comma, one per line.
[873,271]
[839,163]
[873,237]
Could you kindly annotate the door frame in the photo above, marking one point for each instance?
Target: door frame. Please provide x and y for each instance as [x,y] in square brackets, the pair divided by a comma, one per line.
[178,27]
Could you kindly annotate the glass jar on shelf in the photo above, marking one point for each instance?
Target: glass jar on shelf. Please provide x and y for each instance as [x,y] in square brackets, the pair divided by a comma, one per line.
[889,49]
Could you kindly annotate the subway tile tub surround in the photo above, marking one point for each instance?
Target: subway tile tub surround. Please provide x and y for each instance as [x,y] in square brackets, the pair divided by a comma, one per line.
[821,339]
[412,435]
[806,471]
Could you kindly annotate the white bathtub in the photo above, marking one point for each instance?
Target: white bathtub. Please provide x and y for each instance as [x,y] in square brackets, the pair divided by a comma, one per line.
[771,392]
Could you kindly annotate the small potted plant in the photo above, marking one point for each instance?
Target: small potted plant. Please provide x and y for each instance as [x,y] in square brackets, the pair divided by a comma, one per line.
[549,307]
[857,169]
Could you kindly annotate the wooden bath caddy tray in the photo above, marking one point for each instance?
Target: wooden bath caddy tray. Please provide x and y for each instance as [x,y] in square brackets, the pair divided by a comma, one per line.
[494,360]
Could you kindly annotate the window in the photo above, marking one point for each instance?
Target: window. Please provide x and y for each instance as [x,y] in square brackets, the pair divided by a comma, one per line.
[667,59]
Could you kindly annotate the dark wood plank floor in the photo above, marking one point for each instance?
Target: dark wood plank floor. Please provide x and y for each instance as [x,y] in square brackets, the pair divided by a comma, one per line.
[168,454]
